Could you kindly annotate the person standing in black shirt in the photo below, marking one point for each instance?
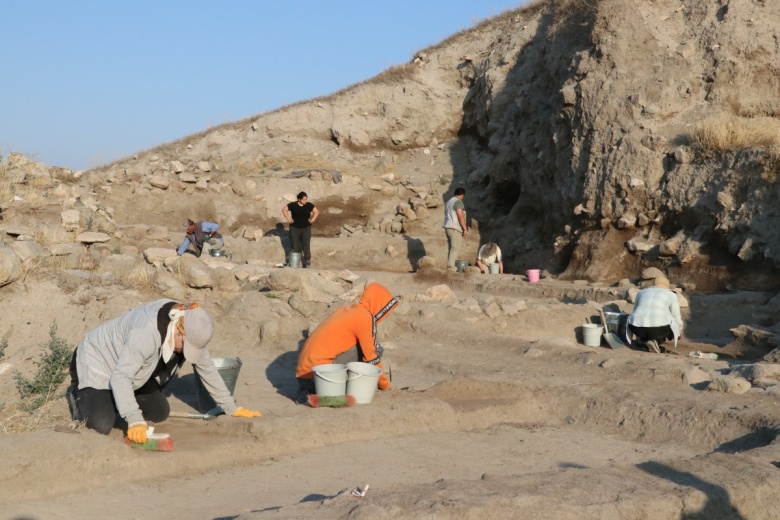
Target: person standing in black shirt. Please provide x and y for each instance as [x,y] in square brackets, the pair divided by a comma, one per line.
[301,214]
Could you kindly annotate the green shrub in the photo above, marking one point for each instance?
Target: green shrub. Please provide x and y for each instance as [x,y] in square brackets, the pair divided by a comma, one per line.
[3,346]
[52,369]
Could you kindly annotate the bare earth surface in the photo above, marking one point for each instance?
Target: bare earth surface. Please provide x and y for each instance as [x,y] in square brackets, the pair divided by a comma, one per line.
[487,419]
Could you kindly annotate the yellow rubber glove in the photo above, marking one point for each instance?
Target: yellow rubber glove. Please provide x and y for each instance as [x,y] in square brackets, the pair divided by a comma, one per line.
[243,412]
[137,433]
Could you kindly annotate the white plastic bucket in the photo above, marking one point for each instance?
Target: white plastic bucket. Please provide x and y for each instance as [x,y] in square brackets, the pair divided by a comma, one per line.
[494,268]
[362,381]
[330,379]
[591,335]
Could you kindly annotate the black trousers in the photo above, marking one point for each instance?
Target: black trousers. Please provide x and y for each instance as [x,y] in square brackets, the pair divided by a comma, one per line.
[301,242]
[659,334]
[97,408]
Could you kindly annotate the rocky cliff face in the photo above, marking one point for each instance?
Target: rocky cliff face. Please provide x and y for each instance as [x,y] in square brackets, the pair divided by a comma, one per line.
[579,121]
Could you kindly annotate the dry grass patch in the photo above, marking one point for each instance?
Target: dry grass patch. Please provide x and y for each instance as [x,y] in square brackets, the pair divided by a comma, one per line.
[16,419]
[725,132]
[47,235]
[141,278]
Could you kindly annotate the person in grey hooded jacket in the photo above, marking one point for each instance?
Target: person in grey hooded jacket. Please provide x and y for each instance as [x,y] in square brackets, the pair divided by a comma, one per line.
[120,367]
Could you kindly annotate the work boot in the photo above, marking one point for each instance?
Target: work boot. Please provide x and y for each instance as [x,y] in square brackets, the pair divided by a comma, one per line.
[302,397]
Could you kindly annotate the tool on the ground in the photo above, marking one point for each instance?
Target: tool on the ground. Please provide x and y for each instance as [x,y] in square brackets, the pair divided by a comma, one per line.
[66,428]
[360,493]
[612,339]
[703,355]
[203,416]
[330,401]
[154,441]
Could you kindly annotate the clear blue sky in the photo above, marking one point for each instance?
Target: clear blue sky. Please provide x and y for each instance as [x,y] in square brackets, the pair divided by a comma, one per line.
[84,82]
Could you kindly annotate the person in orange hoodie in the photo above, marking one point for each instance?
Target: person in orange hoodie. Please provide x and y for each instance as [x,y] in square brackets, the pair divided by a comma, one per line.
[349,334]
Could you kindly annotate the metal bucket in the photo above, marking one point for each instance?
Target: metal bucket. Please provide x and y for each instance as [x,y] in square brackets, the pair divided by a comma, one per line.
[228,369]
[461,264]
[220,253]
[616,322]
[294,260]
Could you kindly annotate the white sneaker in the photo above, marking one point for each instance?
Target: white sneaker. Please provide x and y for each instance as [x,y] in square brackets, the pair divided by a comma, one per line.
[652,346]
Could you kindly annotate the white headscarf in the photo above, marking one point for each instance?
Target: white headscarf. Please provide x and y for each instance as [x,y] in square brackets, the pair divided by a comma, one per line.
[168,344]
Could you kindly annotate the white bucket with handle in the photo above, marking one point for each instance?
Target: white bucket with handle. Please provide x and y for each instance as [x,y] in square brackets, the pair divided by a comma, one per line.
[591,335]
[362,380]
[330,379]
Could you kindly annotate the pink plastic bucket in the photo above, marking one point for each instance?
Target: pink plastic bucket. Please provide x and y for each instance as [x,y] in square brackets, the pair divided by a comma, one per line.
[533,275]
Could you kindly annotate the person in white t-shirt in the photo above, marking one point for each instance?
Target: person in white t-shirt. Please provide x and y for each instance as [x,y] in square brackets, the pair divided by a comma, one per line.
[656,316]
[489,254]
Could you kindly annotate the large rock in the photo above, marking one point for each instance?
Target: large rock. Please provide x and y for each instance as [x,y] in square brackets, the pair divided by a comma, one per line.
[71,219]
[269,330]
[89,237]
[158,255]
[286,280]
[307,309]
[10,266]
[729,385]
[69,248]
[168,285]
[158,181]
[695,375]
[317,288]
[16,231]
[762,375]
[226,282]
[313,287]
[252,273]
[27,250]
[193,272]
[441,293]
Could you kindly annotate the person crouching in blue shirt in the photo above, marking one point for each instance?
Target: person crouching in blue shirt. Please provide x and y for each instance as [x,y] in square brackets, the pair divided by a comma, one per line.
[198,234]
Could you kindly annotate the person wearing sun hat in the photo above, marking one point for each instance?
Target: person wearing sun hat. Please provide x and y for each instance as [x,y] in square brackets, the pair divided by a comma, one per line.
[119,369]
[656,316]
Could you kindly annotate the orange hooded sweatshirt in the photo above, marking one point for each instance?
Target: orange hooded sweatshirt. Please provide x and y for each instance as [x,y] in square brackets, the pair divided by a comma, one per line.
[354,325]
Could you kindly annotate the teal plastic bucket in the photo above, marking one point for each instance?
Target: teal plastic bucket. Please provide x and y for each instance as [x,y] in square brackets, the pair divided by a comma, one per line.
[362,381]
[330,379]
[228,369]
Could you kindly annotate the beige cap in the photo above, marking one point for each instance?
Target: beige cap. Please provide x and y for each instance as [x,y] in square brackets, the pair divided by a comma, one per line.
[198,330]
[652,272]
[661,281]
